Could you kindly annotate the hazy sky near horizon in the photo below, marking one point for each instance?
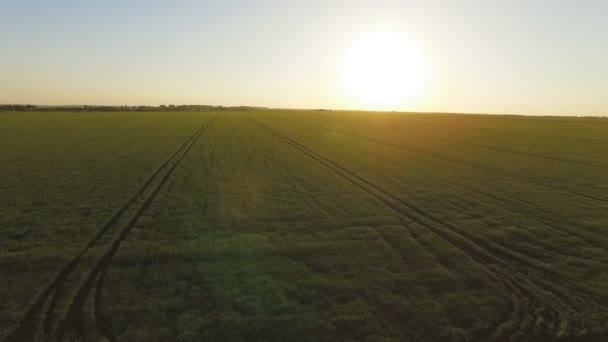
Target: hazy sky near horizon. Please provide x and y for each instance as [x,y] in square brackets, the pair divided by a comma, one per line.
[526,57]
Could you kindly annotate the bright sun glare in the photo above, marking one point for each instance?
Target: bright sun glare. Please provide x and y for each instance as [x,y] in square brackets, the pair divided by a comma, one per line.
[384,69]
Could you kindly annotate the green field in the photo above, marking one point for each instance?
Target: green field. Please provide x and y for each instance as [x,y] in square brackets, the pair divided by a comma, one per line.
[302,225]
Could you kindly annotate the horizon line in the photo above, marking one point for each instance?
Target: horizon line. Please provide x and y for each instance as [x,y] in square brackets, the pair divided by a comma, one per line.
[309,109]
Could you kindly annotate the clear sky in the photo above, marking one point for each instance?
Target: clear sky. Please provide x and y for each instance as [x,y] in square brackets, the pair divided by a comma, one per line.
[484,56]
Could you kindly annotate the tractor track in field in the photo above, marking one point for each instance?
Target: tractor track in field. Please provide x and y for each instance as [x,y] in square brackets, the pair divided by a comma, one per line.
[75,315]
[591,199]
[549,221]
[594,295]
[299,187]
[29,327]
[57,292]
[488,147]
[390,245]
[514,292]
[487,255]
[494,251]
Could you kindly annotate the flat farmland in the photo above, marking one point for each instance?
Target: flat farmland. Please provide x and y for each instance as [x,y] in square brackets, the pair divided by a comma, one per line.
[302,225]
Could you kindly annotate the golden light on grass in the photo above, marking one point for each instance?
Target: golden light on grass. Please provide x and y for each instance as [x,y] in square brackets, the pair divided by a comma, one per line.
[383,69]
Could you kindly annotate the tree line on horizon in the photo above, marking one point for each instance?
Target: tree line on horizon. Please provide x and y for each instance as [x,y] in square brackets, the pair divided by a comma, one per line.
[87,108]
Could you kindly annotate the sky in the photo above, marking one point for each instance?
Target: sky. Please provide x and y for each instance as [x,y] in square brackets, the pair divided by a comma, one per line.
[485,56]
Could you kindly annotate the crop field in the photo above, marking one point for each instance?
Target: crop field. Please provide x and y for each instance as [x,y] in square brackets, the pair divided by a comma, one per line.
[302,225]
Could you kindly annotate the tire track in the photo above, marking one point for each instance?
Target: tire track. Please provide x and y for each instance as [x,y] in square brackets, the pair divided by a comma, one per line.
[489,147]
[404,223]
[549,219]
[388,243]
[490,170]
[493,249]
[496,254]
[73,321]
[489,255]
[29,326]
[114,221]
[522,153]
[516,293]
[550,290]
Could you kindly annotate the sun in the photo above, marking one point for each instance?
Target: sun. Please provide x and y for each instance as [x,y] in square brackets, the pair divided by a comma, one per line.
[383,69]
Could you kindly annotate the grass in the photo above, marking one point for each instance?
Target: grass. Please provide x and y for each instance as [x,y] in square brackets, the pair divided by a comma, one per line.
[297,225]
